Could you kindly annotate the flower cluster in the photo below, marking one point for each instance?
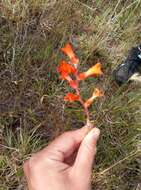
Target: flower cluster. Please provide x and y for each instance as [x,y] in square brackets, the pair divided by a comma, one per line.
[69,72]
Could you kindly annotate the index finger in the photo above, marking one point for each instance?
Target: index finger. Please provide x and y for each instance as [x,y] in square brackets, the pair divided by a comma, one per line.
[63,146]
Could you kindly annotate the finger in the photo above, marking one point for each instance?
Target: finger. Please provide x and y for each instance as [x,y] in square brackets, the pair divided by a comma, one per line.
[64,145]
[27,173]
[86,153]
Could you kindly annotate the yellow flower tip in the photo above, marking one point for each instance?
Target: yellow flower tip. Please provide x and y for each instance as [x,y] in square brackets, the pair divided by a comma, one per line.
[97,93]
[88,102]
[95,70]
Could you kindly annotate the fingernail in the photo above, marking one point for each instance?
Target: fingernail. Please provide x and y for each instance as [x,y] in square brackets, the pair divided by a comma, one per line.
[94,134]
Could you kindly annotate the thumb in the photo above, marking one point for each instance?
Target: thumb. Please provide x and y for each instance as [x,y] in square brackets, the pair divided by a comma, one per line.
[86,153]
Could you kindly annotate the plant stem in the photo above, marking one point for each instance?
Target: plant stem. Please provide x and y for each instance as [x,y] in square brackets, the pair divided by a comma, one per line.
[86,111]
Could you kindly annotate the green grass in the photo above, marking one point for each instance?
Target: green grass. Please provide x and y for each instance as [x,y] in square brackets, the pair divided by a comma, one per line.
[32,111]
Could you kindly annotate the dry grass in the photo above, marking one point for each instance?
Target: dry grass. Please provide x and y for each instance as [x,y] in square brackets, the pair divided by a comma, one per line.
[32,111]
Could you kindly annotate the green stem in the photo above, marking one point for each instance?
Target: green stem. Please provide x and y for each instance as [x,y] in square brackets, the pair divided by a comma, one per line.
[86,111]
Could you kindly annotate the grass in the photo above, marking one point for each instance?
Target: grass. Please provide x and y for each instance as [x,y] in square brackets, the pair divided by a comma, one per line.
[32,111]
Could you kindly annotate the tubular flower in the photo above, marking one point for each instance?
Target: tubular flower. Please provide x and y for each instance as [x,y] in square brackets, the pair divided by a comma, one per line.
[71,82]
[93,71]
[69,52]
[96,93]
[65,69]
[71,97]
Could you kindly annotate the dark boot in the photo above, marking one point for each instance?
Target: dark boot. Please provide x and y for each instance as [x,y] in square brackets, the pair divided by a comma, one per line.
[130,68]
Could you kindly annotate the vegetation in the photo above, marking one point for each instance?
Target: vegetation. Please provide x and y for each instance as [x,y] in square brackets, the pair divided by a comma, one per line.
[32,110]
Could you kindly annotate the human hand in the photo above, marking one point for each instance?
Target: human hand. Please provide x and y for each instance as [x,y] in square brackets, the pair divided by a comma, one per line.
[65,164]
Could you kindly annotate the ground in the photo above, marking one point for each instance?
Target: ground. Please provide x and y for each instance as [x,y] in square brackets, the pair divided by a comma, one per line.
[32,110]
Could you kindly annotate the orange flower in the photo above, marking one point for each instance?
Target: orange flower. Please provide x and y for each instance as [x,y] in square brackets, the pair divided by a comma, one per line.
[93,71]
[65,69]
[71,82]
[96,93]
[69,52]
[71,97]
